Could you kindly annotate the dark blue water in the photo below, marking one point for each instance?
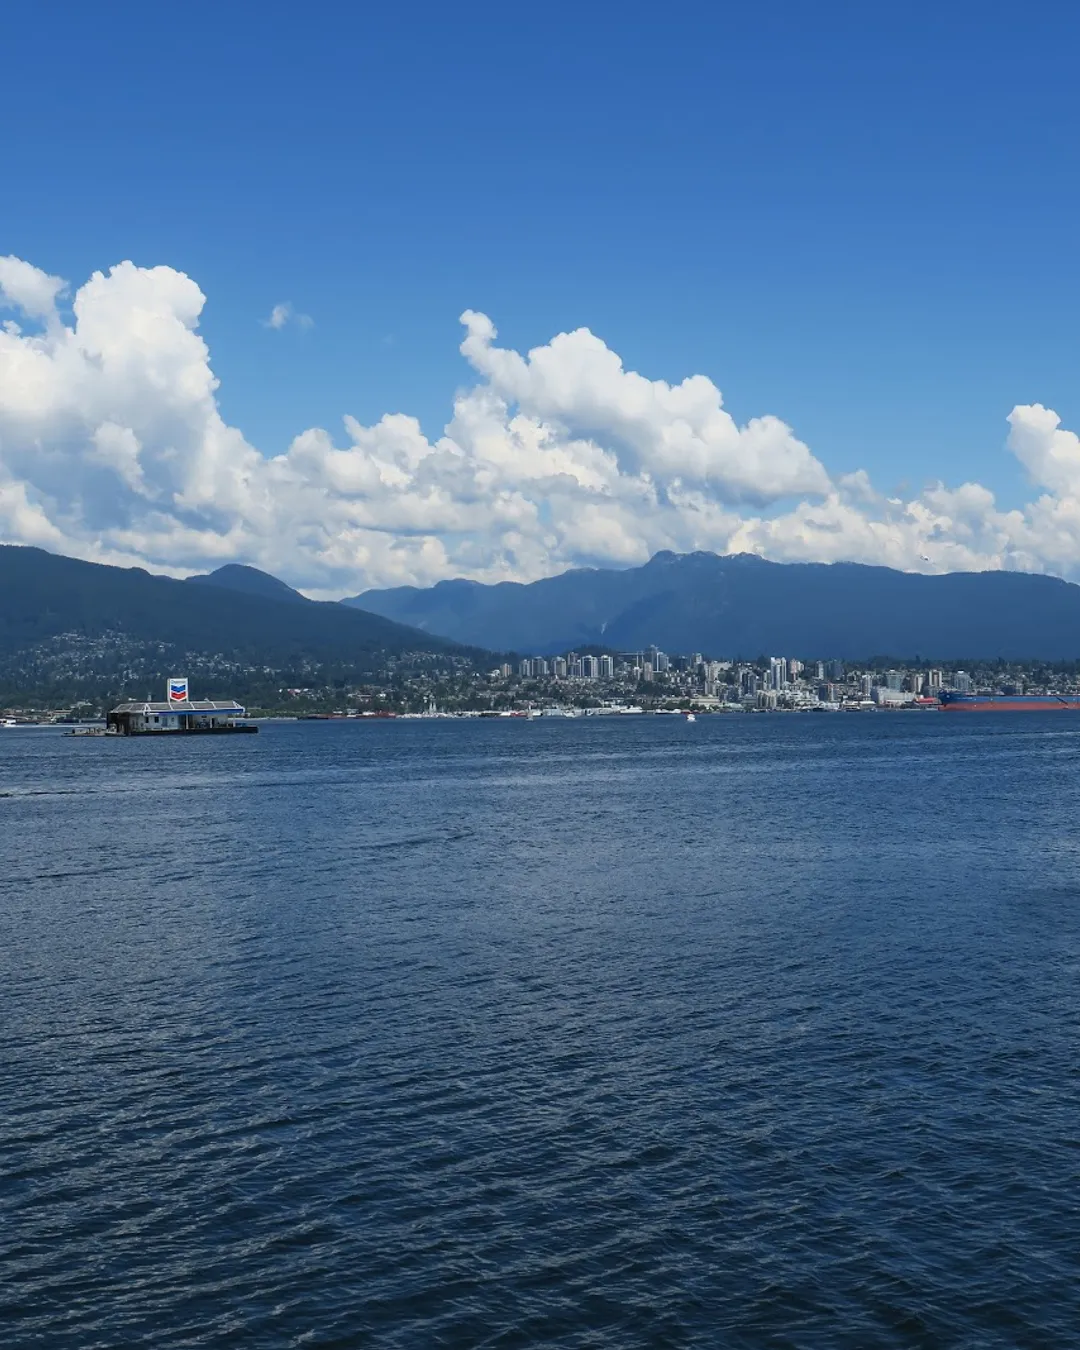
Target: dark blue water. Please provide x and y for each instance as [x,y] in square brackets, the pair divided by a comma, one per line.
[754,1032]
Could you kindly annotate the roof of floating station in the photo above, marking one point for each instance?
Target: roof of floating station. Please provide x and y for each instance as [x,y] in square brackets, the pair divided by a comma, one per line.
[185,706]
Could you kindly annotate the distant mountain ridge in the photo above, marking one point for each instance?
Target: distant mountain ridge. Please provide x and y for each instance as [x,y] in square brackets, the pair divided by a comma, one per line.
[248,581]
[68,626]
[740,605]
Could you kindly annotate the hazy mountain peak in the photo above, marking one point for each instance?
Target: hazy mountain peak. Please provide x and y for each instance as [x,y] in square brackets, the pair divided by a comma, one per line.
[249,581]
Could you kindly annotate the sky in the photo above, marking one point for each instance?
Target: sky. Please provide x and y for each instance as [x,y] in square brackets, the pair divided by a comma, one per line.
[375,295]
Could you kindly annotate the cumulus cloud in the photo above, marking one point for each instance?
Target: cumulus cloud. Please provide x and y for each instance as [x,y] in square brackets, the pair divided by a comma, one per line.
[667,431]
[113,448]
[284,313]
[27,288]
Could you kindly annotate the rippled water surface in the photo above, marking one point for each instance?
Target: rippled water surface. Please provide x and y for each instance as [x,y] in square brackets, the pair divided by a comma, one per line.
[623,1032]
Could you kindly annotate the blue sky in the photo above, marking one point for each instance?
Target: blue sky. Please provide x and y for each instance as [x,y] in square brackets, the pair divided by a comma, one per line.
[859,218]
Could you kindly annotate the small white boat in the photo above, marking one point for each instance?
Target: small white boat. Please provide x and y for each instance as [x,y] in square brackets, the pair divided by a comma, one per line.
[690,717]
[8,722]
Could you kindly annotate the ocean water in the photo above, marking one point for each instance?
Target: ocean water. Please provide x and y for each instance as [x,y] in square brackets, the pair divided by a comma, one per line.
[628,1032]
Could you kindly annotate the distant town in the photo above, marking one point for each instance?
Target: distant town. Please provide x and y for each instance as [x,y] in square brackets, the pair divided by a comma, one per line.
[651,680]
[595,682]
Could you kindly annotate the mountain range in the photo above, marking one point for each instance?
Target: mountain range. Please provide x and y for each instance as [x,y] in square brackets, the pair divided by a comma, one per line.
[68,628]
[742,606]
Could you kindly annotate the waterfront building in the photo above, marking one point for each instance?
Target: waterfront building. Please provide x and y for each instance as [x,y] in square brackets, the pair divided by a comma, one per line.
[886,697]
[961,682]
[179,715]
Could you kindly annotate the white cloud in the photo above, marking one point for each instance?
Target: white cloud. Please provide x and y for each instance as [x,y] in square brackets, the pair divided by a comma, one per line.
[284,313]
[25,287]
[112,447]
[578,383]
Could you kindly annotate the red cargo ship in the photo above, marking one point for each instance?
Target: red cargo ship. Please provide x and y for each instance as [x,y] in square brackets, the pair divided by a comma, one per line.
[952,701]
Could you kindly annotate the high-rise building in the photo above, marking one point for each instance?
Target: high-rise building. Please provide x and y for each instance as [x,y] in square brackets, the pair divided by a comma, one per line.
[558,667]
[590,667]
[866,683]
[934,681]
[835,671]
[778,675]
[607,667]
[525,669]
[894,680]
[540,666]
[961,682]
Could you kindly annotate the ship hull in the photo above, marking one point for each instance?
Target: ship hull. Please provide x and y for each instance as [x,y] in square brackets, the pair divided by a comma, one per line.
[952,702]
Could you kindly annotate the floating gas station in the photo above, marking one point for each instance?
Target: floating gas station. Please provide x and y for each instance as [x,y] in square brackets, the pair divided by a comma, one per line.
[179,715]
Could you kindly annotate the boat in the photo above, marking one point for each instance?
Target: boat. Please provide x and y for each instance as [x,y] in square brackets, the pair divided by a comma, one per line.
[690,717]
[8,722]
[952,700]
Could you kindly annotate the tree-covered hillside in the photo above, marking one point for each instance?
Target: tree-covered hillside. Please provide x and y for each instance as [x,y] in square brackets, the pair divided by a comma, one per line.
[71,629]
